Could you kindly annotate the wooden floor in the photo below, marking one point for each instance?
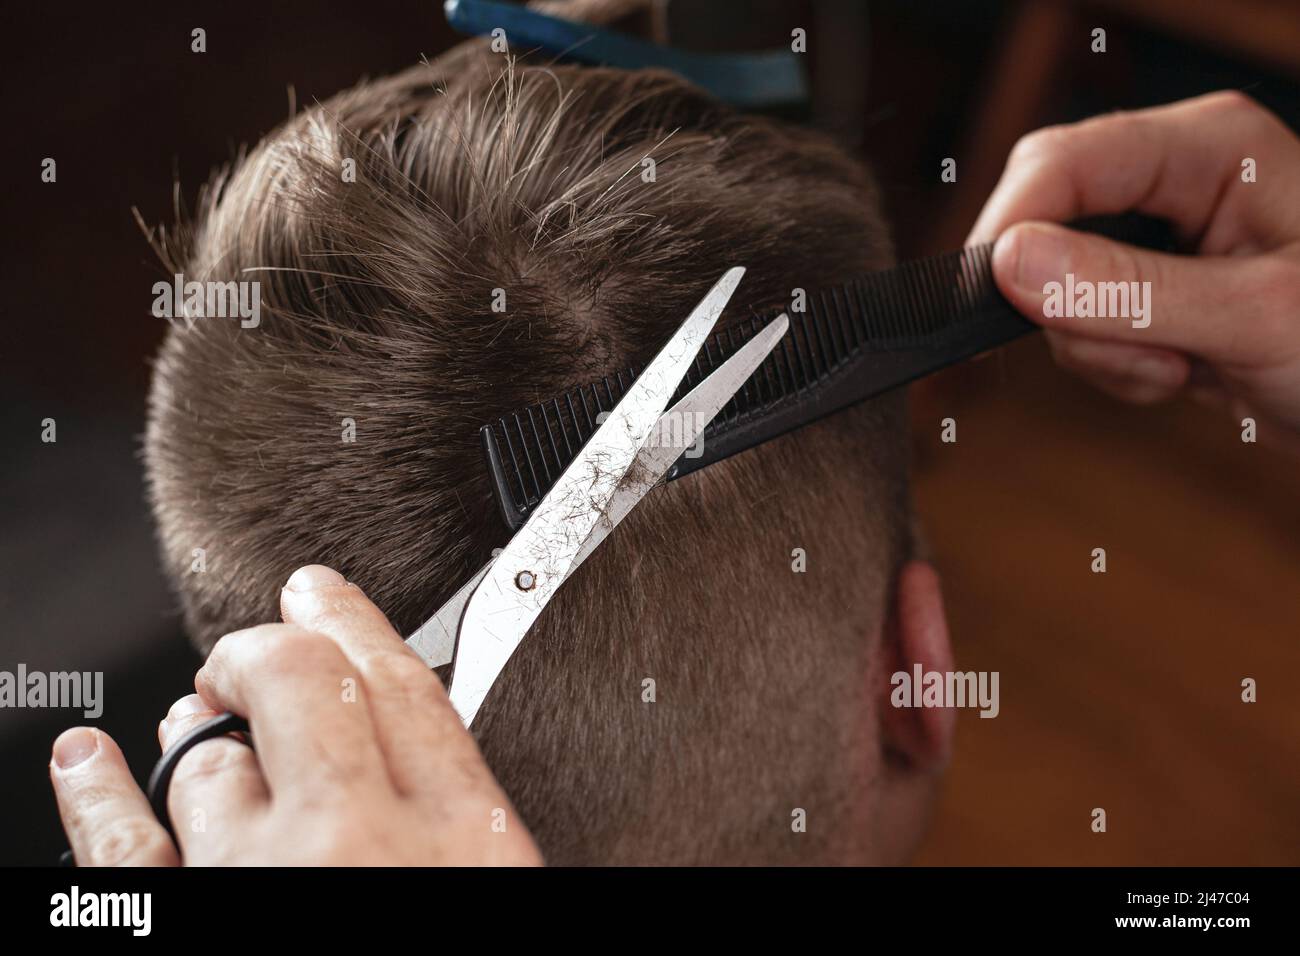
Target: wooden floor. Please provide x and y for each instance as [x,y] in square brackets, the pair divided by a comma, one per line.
[1119,690]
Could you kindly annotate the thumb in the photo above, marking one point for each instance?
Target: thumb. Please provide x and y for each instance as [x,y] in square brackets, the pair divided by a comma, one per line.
[1086,285]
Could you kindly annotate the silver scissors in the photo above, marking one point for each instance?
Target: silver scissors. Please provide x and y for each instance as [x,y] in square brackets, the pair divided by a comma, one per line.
[483,624]
[487,619]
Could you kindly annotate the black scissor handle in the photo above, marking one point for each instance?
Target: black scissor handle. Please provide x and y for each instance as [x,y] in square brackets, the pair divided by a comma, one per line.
[160,780]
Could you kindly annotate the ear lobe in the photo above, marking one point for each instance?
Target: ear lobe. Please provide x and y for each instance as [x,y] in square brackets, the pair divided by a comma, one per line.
[916,633]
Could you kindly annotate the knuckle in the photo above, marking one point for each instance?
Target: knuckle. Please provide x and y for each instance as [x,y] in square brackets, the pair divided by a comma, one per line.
[1276,292]
[1241,108]
[1131,124]
[403,672]
[290,649]
[1127,263]
[349,785]
[209,759]
[1039,145]
[1231,101]
[125,841]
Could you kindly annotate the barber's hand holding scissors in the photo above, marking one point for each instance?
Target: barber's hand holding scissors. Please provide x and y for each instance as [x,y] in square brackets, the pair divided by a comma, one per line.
[360,758]
[1226,322]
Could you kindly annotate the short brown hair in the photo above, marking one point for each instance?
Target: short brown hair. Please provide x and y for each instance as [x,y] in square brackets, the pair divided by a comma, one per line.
[476,173]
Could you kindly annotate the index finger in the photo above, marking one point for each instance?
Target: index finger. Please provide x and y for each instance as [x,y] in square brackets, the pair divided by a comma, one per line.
[420,734]
[294,686]
[1180,162]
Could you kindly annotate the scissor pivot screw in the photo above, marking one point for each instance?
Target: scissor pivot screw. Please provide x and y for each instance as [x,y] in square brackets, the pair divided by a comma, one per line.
[525,580]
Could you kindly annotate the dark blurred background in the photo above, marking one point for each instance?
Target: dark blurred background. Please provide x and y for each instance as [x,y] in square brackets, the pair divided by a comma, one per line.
[1120,691]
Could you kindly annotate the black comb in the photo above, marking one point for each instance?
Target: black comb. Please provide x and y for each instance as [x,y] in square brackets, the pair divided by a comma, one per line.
[851,343]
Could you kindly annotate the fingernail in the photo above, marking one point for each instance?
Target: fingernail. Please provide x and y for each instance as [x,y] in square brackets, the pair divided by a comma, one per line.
[75,746]
[314,576]
[191,704]
[1042,255]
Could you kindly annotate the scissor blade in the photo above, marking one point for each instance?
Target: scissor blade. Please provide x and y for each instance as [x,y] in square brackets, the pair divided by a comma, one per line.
[435,639]
[692,415]
[526,575]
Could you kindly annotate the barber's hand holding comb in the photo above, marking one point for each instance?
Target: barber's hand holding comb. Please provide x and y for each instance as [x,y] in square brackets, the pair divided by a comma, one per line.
[1226,321]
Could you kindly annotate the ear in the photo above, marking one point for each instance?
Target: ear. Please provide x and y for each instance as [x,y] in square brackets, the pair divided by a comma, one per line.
[916,633]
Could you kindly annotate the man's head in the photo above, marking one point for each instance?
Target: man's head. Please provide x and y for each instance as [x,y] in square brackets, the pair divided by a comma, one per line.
[692,693]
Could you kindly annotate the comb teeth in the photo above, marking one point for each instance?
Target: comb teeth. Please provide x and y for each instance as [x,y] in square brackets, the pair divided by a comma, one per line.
[853,341]
[948,298]
[537,443]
